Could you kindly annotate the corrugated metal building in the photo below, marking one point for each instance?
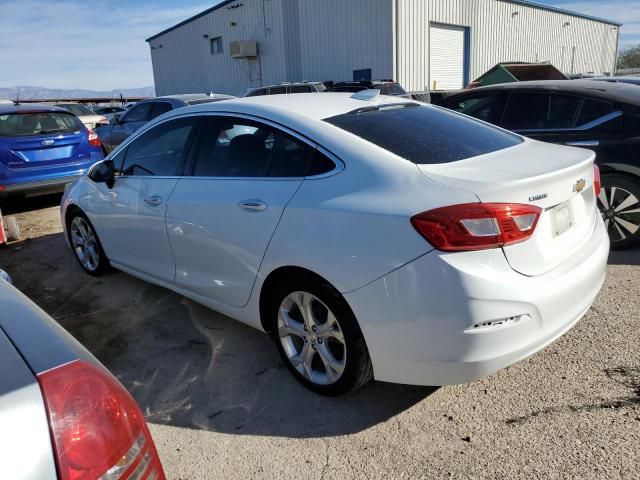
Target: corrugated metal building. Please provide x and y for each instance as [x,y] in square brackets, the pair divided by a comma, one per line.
[423,44]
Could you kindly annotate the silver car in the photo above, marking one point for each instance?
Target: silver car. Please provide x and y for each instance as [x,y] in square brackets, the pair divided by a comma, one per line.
[62,414]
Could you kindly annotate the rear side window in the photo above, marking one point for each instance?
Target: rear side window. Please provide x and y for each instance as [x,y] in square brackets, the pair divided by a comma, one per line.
[159,108]
[277,90]
[425,134]
[300,89]
[540,111]
[235,147]
[38,123]
[593,110]
[159,151]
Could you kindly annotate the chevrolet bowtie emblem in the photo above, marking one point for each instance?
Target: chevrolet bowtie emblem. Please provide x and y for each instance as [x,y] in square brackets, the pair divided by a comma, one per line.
[579,186]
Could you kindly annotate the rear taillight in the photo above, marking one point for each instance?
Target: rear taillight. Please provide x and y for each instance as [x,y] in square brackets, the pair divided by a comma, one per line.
[597,185]
[97,428]
[93,138]
[477,226]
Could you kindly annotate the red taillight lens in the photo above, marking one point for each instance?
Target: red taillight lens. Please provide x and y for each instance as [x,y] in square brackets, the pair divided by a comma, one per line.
[97,428]
[93,138]
[597,185]
[477,226]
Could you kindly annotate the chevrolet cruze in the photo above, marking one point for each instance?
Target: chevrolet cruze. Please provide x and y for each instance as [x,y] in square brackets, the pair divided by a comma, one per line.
[371,236]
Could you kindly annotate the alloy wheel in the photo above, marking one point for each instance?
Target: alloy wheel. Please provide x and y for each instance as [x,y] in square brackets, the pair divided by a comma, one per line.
[84,244]
[312,338]
[620,210]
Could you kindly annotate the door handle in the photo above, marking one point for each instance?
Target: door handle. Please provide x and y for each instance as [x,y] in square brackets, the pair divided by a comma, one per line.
[584,143]
[253,205]
[154,200]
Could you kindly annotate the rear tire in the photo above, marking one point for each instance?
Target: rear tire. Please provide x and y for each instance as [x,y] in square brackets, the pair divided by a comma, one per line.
[324,348]
[85,244]
[619,204]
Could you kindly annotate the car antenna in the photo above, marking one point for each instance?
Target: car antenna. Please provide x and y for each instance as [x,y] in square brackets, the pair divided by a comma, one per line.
[17,102]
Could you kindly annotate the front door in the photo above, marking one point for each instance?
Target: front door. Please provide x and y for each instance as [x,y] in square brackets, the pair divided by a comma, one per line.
[131,121]
[130,217]
[221,218]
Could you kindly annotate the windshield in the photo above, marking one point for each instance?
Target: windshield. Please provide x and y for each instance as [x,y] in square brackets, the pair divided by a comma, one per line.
[76,108]
[424,134]
[38,123]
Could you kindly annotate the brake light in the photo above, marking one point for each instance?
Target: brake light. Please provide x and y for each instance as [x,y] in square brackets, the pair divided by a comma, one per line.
[597,185]
[97,428]
[477,226]
[93,138]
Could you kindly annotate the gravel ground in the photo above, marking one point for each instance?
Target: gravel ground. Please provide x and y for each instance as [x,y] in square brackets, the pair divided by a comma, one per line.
[221,405]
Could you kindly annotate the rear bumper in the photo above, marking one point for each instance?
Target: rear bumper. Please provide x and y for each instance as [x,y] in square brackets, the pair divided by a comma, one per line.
[39,187]
[423,323]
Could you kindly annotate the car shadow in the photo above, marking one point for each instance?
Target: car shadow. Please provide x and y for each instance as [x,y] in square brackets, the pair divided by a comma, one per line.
[186,365]
[15,205]
[625,257]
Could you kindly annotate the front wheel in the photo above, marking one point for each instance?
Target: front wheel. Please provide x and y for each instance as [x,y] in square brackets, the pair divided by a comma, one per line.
[318,337]
[86,245]
[619,204]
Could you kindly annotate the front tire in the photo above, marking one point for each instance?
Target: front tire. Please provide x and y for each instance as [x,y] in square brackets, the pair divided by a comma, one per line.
[318,337]
[619,204]
[86,245]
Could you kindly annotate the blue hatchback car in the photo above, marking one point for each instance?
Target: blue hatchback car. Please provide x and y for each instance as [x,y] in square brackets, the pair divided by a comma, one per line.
[42,148]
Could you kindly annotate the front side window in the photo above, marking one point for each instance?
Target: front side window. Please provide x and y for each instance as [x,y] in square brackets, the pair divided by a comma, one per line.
[159,108]
[231,147]
[138,113]
[540,111]
[216,45]
[160,151]
[487,107]
[424,134]
[277,90]
[300,89]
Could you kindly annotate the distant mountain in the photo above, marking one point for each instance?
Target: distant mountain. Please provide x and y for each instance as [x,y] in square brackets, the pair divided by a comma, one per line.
[34,93]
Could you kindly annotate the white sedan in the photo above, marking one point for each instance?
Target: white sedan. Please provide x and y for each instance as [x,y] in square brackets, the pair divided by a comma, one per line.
[372,237]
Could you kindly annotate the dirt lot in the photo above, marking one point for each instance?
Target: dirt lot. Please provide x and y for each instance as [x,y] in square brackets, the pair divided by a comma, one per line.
[221,405]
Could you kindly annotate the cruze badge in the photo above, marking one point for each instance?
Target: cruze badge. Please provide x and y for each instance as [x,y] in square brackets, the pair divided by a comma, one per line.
[48,143]
[579,186]
[540,196]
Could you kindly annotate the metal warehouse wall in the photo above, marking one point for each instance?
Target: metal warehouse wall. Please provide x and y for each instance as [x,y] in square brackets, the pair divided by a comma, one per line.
[184,63]
[497,35]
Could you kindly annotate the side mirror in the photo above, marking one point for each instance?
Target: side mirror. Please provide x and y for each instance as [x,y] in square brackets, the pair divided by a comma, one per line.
[115,120]
[103,172]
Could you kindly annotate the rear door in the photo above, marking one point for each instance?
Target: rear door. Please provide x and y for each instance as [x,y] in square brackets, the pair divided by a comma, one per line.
[130,217]
[131,121]
[221,218]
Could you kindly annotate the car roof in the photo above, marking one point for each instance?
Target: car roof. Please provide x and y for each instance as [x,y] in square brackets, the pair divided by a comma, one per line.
[317,107]
[607,90]
[29,107]
[190,97]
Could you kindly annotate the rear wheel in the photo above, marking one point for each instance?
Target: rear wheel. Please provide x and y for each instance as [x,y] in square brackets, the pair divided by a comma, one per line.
[318,337]
[86,246]
[619,204]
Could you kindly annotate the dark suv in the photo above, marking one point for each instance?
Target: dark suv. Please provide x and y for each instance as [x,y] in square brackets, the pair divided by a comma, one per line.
[600,116]
[284,88]
[386,87]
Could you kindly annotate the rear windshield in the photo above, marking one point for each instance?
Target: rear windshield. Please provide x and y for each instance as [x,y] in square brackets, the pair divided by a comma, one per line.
[38,123]
[424,134]
[76,108]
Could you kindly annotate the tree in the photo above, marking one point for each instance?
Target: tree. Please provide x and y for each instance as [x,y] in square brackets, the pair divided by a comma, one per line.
[629,57]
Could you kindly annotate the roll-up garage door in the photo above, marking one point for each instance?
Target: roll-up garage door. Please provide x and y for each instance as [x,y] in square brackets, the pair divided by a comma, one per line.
[446,57]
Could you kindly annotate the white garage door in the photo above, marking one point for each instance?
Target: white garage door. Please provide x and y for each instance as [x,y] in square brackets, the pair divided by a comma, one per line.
[446,57]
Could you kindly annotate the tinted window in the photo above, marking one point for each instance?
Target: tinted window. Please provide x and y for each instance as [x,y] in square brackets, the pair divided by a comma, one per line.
[38,123]
[277,90]
[425,135]
[242,148]
[138,113]
[159,108]
[593,110]
[300,89]
[160,151]
[486,107]
[540,111]
[320,164]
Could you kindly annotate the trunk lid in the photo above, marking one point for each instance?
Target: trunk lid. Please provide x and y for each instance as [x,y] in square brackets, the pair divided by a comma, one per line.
[41,150]
[557,179]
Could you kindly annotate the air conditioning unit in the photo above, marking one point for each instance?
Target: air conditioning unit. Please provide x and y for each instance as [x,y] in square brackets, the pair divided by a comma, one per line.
[243,49]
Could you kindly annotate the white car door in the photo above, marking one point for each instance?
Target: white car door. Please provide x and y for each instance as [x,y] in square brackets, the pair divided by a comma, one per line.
[130,216]
[221,218]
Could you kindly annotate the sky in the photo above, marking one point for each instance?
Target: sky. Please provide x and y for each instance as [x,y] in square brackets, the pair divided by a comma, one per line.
[73,44]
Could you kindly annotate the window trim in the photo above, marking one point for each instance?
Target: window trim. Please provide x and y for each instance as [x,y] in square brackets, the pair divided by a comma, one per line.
[218,40]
